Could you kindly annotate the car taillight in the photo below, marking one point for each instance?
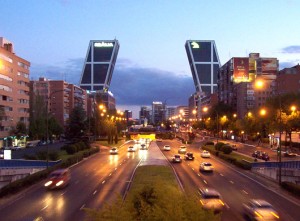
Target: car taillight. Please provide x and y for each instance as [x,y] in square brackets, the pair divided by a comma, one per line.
[48,183]
[59,183]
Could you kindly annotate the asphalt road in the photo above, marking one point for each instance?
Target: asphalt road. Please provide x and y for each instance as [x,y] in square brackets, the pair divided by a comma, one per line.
[236,186]
[95,181]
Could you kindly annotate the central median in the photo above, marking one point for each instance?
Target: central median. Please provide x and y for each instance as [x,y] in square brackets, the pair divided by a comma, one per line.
[154,195]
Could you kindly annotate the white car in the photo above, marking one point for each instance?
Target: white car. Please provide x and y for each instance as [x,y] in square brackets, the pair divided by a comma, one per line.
[182,149]
[257,209]
[211,199]
[167,147]
[113,150]
[131,149]
[206,167]
[205,154]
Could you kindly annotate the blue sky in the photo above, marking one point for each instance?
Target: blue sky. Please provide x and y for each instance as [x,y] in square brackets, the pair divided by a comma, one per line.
[54,35]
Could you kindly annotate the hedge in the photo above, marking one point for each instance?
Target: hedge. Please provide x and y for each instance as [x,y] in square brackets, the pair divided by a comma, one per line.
[291,187]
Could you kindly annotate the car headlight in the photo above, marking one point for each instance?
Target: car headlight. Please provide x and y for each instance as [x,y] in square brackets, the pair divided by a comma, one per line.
[48,183]
[59,183]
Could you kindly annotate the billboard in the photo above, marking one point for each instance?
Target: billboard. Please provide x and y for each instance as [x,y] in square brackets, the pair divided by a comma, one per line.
[269,65]
[240,70]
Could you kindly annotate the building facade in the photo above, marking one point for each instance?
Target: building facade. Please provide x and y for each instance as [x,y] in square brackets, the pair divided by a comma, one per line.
[158,112]
[144,115]
[236,80]
[99,65]
[288,80]
[14,93]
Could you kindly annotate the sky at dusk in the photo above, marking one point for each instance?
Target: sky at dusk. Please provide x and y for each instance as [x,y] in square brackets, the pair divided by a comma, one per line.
[152,64]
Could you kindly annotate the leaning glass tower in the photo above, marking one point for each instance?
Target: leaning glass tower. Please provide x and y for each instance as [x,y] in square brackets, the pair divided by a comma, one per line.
[99,65]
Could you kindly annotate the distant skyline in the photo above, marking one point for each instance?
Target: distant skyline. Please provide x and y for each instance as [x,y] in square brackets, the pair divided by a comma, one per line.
[152,64]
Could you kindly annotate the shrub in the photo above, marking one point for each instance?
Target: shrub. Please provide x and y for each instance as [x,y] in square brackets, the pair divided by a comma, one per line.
[243,164]
[226,149]
[291,187]
[209,143]
[219,145]
[53,155]
[71,149]
[228,158]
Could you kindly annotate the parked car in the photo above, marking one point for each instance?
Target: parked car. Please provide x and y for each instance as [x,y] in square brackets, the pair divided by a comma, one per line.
[289,154]
[256,154]
[167,147]
[257,209]
[211,199]
[189,156]
[16,147]
[58,179]
[205,154]
[233,147]
[176,158]
[206,167]
[264,156]
[113,150]
[182,150]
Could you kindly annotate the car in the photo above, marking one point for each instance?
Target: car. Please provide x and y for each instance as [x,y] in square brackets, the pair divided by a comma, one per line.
[211,199]
[233,147]
[264,156]
[189,156]
[256,154]
[58,179]
[113,150]
[205,154]
[167,147]
[289,154]
[1,154]
[176,158]
[258,209]
[206,167]
[182,149]
[30,145]
[131,149]
[144,147]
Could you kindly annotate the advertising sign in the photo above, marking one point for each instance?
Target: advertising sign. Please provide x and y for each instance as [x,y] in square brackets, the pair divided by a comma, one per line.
[240,70]
[269,65]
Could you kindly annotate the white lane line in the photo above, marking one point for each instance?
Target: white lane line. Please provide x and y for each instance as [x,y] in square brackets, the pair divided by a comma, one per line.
[231,182]
[221,174]
[120,164]
[193,169]
[116,168]
[205,181]
[245,192]
[82,206]
[109,174]
[77,181]
[44,207]
[94,192]
[103,181]
[198,174]
[63,193]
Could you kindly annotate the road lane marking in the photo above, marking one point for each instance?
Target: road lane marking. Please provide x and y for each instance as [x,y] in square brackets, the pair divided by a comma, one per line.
[198,174]
[116,168]
[44,207]
[120,164]
[94,192]
[244,191]
[231,181]
[103,181]
[82,206]
[193,169]
[109,174]
[63,193]
[221,174]
[205,181]
[77,181]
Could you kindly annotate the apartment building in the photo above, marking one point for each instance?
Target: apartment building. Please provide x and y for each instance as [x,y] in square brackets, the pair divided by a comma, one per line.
[14,90]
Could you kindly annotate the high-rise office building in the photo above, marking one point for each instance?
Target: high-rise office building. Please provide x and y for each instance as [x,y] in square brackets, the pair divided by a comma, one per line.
[158,112]
[99,65]
[14,93]
[204,63]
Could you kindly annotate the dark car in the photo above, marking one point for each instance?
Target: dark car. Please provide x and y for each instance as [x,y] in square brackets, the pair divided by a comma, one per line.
[289,154]
[256,154]
[176,158]
[264,156]
[189,156]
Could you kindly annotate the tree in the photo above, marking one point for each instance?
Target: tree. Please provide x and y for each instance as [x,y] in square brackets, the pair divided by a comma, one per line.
[76,126]
[19,130]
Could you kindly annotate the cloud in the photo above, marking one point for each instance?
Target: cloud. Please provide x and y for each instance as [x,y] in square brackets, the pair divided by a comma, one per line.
[131,84]
[293,49]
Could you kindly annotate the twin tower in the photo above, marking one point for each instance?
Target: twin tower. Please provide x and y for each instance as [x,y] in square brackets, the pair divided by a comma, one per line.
[102,55]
